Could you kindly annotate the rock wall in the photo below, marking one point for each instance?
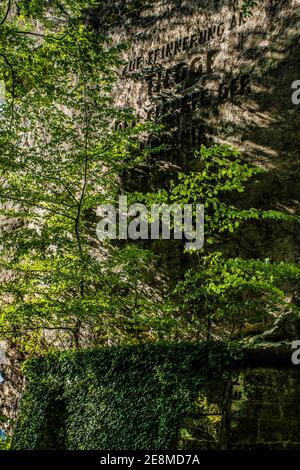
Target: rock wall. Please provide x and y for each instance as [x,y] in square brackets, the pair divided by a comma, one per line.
[11,387]
[266,409]
[211,75]
[258,410]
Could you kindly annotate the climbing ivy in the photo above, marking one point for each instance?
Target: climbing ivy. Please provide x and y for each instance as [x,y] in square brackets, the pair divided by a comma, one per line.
[117,398]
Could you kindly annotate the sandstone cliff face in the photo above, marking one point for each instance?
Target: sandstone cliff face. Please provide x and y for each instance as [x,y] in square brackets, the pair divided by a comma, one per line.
[258,410]
[212,75]
[10,388]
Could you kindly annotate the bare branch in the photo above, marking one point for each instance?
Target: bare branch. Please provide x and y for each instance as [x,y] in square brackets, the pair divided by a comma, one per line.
[6,13]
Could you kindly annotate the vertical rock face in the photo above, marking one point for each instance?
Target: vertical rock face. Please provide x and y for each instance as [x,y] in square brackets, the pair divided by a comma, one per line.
[11,387]
[211,75]
[266,402]
[262,412]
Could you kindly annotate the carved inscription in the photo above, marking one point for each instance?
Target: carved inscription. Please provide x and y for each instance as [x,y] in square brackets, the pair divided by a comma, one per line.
[182,74]
[183,44]
[201,99]
[185,86]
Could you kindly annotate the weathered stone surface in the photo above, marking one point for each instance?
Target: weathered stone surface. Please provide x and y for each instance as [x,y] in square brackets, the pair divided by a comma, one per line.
[212,76]
[286,327]
[10,388]
[262,413]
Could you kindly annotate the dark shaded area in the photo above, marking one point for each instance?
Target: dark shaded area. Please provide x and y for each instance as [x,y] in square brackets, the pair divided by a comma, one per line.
[275,357]
[51,434]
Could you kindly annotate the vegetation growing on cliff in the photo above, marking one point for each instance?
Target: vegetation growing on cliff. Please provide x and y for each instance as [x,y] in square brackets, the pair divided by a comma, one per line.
[61,158]
[117,398]
[62,288]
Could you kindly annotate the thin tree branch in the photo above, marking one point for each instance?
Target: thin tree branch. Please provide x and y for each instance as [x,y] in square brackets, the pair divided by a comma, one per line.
[42,35]
[66,188]
[20,200]
[35,328]
[6,14]
[85,171]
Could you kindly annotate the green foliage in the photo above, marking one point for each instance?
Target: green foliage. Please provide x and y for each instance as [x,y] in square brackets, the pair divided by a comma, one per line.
[228,292]
[60,159]
[233,291]
[38,9]
[248,7]
[5,440]
[5,444]
[116,398]
[221,177]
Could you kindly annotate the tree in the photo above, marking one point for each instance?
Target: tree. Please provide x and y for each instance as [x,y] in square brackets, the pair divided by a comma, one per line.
[223,290]
[61,158]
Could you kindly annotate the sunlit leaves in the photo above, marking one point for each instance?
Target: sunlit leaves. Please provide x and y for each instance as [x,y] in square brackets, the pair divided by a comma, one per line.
[60,158]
